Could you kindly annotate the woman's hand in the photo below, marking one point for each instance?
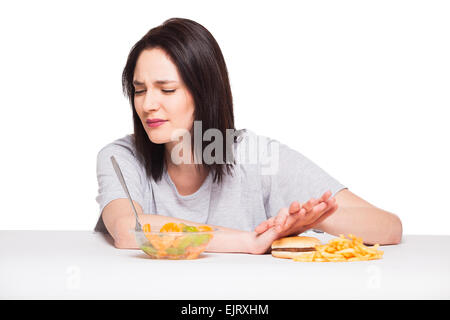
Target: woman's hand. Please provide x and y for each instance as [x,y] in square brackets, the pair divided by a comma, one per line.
[293,220]
[262,243]
[297,218]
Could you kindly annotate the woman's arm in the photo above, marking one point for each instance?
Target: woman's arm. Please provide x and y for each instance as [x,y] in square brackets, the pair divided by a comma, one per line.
[358,217]
[119,220]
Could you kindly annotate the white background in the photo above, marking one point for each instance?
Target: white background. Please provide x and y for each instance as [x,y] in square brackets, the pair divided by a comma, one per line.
[359,87]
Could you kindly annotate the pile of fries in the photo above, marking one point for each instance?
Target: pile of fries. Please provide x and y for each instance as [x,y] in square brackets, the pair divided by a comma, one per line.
[342,249]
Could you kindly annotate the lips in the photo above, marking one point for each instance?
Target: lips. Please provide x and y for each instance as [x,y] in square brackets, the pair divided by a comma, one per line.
[155,122]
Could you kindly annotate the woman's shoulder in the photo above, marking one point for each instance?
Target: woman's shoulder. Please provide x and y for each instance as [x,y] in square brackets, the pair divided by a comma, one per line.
[248,136]
[250,143]
[123,147]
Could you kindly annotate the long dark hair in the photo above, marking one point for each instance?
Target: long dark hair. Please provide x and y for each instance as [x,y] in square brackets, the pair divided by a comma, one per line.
[201,65]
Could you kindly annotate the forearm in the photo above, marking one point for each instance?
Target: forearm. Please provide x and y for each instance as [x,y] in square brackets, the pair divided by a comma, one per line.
[230,240]
[224,240]
[371,224]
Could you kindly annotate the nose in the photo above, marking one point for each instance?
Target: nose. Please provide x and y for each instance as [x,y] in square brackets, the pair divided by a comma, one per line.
[150,103]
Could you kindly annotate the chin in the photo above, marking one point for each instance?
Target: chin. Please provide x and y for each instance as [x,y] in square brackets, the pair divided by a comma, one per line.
[157,138]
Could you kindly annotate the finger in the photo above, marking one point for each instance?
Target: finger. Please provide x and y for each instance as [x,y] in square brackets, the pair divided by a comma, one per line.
[326,196]
[287,220]
[263,228]
[299,214]
[318,209]
[322,206]
[331,201]
[330,207]
[281,218]
[316,212]
[324,216]
[295,218]
[295,207]
[309,204]
[265,225]
[271,222]
[313,201]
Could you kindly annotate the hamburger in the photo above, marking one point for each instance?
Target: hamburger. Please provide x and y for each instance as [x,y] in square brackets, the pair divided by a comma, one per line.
[291,247]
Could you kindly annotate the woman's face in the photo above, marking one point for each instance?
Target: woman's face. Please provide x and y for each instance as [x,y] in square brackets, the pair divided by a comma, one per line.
[161,94]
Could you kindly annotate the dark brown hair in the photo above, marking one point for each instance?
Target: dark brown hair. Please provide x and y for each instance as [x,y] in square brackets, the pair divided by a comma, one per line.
[201,65]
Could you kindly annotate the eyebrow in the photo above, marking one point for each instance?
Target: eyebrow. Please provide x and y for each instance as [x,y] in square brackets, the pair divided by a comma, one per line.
[139,83]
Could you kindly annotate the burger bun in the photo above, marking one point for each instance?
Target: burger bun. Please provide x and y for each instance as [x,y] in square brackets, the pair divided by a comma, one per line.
[292,243]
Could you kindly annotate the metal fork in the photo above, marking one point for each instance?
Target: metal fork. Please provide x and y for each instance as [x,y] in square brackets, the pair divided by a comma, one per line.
[124,186]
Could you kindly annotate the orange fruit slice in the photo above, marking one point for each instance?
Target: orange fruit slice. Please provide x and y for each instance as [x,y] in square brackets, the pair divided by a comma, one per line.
[146,229]
[204,228]
[171,227]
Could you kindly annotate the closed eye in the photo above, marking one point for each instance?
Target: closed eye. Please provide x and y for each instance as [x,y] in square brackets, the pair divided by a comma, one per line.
[163,90]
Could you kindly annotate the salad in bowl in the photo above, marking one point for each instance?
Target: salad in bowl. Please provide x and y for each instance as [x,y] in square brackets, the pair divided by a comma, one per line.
[174,240]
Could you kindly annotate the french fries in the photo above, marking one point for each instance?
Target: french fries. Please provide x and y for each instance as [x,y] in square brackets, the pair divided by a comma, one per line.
[341,250]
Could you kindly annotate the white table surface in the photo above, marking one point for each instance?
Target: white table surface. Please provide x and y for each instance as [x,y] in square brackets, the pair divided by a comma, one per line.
[85,265]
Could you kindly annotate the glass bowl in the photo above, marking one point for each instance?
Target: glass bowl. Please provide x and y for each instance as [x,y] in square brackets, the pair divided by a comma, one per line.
[173,245]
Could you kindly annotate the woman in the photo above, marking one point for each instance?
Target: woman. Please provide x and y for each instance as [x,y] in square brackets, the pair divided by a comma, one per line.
[177,84]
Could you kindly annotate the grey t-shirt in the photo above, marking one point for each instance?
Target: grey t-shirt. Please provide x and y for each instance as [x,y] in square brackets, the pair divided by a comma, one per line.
[267,176]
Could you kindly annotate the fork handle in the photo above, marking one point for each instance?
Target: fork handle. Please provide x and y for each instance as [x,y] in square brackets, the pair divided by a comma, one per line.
[125,188]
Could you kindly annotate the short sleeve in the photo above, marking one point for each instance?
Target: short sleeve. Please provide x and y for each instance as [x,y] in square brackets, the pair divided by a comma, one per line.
[109,187]
[287,175]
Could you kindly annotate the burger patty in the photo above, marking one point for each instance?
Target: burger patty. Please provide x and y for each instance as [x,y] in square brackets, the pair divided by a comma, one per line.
[294,249]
